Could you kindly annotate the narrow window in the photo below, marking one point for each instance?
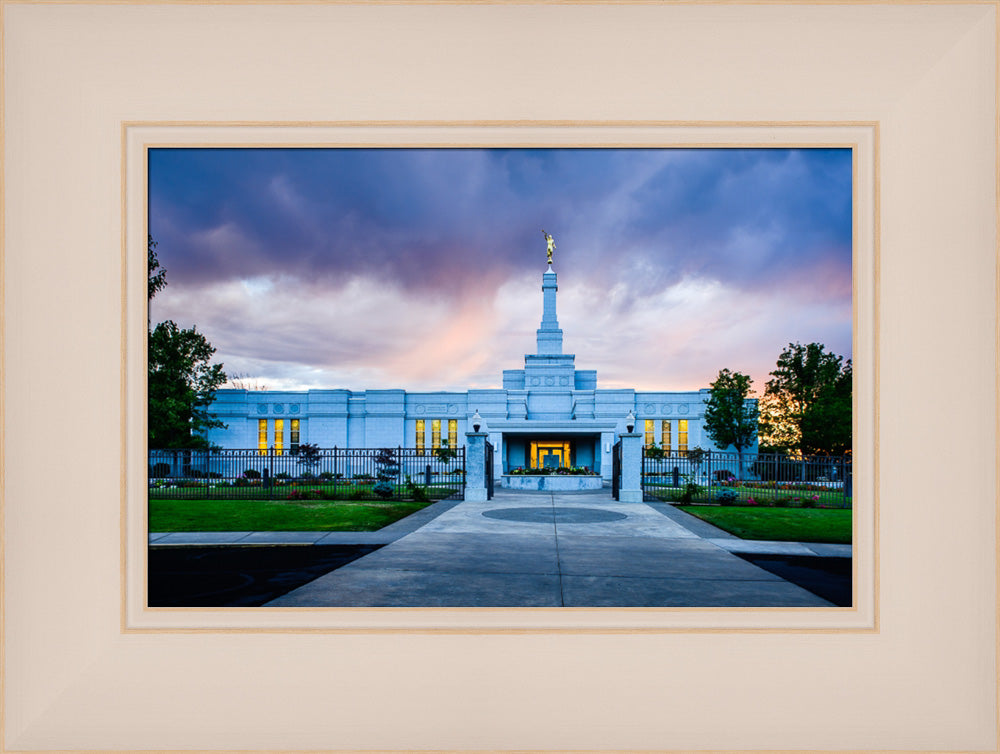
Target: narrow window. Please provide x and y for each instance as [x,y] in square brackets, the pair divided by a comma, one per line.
[420,436]
[665,435]
[293,437]
[453,433]
[650,439]
[682,437]
[262,436]
[435,433]
[279,437]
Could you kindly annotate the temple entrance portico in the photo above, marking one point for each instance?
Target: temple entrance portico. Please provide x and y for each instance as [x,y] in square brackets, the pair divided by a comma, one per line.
[528,444]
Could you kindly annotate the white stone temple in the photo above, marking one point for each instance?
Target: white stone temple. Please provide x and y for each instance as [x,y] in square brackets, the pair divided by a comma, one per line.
[547,413]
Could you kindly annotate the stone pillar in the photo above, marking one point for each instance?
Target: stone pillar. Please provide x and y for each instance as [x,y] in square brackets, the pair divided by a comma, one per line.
[475,466]
[631,489]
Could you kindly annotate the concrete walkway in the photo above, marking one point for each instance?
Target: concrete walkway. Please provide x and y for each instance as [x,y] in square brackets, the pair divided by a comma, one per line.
[545,550]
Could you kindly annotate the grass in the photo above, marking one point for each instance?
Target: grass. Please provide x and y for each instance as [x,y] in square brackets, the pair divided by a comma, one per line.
[275,515]
[780,524]
[204,489]
[785,495]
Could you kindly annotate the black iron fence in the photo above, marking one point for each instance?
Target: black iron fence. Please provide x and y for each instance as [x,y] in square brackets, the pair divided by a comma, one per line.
[328,473]
[750,479]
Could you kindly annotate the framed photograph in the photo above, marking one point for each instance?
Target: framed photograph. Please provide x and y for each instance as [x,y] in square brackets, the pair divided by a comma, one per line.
[529,404]
[372,306]
[910,90]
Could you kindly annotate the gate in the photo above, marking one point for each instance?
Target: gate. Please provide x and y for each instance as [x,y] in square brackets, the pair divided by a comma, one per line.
[489,470]
[616,469]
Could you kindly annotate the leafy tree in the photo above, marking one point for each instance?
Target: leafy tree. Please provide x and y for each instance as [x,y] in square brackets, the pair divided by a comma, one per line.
[157,275]
[730,414]
[182,385]
[809,401]
[826,424]
[444,453]
[309,455]
[778,432]
[181,381]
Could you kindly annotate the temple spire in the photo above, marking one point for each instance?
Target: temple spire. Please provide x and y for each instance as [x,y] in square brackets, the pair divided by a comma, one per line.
[549,336]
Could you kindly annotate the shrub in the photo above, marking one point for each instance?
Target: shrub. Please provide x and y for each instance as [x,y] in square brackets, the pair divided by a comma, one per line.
[160,469]
[358,493]
[384,489]
[444,454]
[416,491]
[251,474]
[308,455]
[727,497]
[691,490]
[282,475]
[654,451]
[329,475]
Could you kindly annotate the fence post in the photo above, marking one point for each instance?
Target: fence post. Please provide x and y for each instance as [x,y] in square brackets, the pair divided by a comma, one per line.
[710,475]
[848,484]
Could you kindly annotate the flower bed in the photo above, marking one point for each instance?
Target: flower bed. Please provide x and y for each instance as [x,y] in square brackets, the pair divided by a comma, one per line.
[562,471]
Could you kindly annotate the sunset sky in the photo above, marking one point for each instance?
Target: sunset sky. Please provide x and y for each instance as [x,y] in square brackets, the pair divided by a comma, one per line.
[421,268]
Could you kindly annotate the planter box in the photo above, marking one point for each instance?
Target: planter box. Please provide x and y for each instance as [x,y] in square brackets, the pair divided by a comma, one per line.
[551,482]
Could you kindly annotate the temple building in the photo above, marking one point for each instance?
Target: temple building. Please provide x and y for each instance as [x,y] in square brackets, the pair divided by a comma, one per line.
[547,413]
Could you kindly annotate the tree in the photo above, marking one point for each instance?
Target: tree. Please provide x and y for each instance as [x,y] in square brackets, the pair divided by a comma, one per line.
[157,275]
[826,424]
[730,414]
[181,380]
[182,385]
[808,401]
[309,456]
[778,433]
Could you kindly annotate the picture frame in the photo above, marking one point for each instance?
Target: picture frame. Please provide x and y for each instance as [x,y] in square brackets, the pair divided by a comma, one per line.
[919,673]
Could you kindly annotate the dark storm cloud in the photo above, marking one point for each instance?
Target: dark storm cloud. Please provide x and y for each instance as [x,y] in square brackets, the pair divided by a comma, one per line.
[332,259]
[425,217]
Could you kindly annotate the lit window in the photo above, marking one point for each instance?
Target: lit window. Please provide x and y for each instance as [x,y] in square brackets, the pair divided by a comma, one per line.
[682,437]
[420,436]
[293,437]
[453,433]
[279,436]
[262,436]
[650,439]
[435,433]
[665,435]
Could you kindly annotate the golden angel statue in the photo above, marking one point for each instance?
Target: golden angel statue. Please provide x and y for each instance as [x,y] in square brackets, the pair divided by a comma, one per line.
[550,245]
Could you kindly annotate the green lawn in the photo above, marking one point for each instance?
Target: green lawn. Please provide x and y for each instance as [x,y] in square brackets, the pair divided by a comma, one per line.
[275,515]
[781,524]
[191,489]
[787,494]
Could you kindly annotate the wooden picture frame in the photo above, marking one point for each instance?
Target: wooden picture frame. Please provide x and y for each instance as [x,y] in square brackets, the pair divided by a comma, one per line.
[82,671]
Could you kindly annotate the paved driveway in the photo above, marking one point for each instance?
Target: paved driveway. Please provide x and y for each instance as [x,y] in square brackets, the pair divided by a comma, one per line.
[537,549]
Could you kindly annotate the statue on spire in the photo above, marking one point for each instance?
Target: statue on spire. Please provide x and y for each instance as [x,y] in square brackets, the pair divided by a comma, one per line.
[550,245]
